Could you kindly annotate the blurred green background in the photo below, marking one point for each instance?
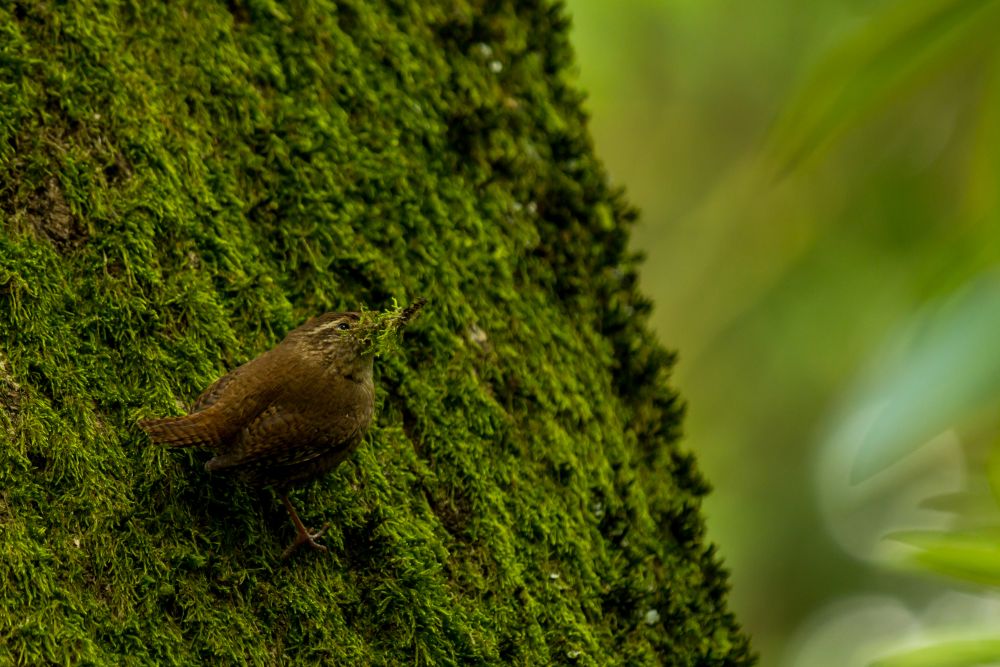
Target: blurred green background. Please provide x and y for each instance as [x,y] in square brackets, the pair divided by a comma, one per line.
[819,189]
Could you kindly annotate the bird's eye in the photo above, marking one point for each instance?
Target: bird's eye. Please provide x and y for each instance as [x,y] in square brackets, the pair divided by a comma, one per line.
[343,326]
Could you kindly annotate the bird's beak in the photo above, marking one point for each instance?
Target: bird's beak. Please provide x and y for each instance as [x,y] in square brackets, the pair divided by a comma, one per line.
[409,313]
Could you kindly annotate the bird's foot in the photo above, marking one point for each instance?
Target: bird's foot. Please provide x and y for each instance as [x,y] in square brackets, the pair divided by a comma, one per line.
[305,537]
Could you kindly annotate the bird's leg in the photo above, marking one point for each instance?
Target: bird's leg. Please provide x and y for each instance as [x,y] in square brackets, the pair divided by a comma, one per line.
[303,536]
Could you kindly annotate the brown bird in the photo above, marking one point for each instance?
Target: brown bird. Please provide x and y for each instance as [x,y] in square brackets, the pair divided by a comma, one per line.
[294,412]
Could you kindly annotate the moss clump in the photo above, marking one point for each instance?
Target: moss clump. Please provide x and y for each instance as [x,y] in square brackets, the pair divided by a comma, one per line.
[183,183]
[379,331]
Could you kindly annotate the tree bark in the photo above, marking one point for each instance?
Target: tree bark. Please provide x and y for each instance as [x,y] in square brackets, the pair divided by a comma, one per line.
[184,182]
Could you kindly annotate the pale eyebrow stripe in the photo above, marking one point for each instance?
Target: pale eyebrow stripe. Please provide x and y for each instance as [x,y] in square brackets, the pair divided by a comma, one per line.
[324,327]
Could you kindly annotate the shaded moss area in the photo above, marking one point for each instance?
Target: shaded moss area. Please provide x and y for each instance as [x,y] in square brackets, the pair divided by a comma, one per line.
[183,184]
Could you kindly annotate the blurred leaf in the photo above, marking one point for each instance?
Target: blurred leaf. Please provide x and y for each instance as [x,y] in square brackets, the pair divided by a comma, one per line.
[897,51]
[983,170]
[972,555]
[956,503]
[948,369]
[964,653]
[993,471]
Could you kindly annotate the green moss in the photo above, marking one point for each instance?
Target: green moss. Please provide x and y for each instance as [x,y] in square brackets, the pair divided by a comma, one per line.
[185,182]
[378,331]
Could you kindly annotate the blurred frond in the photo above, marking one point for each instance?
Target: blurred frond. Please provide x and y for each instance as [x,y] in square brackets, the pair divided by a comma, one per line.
[970,555]
[943,368]
[898,51]
[960,653]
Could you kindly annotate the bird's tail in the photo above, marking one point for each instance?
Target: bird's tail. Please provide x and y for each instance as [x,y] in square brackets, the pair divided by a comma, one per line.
[188,431]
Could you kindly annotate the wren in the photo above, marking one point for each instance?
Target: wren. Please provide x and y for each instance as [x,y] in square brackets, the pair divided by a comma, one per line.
[293,413]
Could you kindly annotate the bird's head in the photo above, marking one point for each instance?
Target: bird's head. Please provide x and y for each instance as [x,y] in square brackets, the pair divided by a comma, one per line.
[358,335]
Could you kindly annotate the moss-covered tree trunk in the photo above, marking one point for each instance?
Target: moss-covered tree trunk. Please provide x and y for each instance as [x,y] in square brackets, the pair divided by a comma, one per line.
[184,182]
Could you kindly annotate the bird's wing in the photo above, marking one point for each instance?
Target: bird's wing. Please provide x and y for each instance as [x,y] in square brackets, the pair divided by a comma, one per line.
[235,399]
[277,437]
[214,392]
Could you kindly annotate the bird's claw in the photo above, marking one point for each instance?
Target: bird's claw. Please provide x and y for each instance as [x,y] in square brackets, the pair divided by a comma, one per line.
[306,538]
